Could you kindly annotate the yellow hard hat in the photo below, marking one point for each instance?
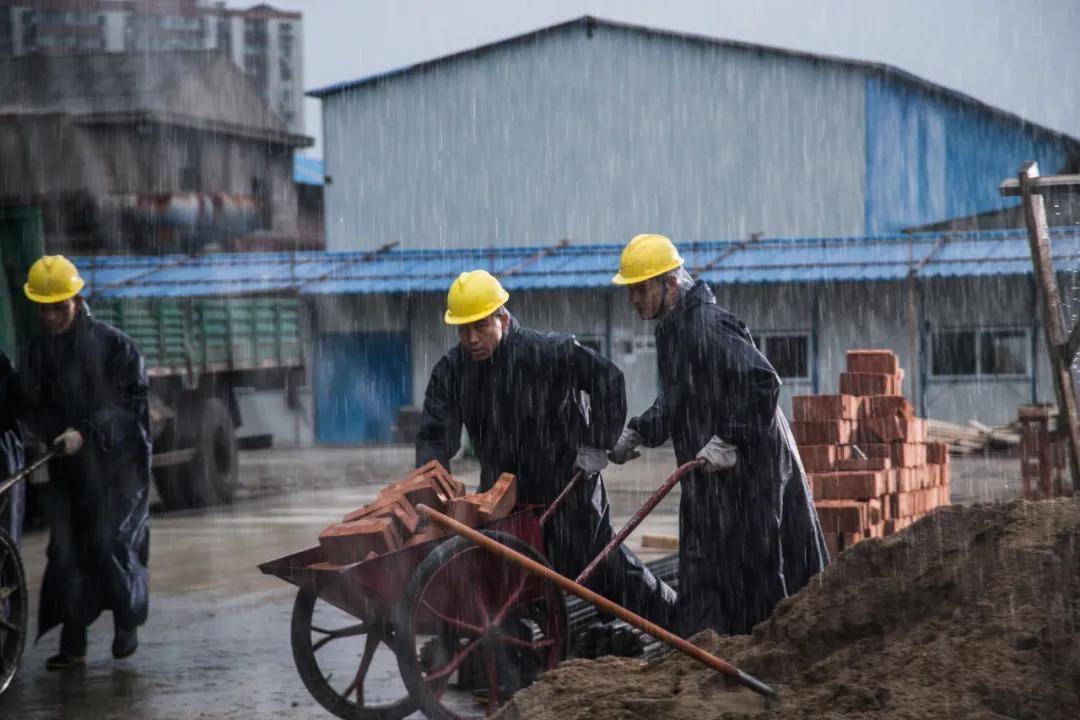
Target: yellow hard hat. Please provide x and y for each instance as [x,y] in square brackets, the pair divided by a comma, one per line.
[646,256]
[52,279]
[473,296]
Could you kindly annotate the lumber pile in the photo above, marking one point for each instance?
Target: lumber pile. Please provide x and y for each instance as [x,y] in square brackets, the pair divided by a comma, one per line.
[973,437]
[391,522]
[866,455]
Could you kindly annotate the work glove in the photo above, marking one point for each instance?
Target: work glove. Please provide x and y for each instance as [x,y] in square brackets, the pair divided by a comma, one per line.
[68,442]
[591,460]
[624,447]
[718,455]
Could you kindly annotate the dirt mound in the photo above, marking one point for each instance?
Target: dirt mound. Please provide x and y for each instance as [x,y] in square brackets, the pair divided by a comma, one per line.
[972,612]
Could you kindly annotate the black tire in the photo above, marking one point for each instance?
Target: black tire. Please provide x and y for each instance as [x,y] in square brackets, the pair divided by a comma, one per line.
[173,487]
[14,607]
[316,679]
[409,656]
[214,470]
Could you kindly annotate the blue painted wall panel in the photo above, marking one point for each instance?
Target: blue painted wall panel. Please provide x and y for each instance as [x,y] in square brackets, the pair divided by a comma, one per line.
[930,158]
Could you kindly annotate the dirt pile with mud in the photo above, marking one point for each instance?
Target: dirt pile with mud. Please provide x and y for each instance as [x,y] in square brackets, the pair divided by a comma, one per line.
[974,612]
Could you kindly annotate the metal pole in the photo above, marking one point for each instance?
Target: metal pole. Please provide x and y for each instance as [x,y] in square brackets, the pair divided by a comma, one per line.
[1046,281]
[600,602]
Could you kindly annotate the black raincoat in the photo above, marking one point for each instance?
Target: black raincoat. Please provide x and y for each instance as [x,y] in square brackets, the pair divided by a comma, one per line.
[524,413]
[96,502]
[748,536]
[11,452]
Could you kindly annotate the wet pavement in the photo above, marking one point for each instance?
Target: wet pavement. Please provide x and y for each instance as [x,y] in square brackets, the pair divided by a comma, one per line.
[217,642]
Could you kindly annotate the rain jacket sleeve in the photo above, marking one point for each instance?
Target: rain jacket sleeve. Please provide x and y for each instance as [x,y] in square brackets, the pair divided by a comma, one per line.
[603,381]
[652,424]
[439,437]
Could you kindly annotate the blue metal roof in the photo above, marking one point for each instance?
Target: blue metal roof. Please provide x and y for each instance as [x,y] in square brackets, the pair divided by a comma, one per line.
[893,257]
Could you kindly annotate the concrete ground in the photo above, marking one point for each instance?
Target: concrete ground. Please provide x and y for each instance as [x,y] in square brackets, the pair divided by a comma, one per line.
[217,642]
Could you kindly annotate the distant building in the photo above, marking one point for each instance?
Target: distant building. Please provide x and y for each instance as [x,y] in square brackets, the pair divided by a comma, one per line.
[266,43]
[125,154]
[596,130]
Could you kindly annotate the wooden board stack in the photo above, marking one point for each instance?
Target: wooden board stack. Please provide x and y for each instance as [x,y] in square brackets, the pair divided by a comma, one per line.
[902,477]
[391,521]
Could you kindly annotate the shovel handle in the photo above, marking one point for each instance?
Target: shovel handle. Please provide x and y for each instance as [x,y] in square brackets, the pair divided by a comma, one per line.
[600,602]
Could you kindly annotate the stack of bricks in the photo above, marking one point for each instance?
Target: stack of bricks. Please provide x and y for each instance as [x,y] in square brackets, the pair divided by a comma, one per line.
[902,476]
[391,521]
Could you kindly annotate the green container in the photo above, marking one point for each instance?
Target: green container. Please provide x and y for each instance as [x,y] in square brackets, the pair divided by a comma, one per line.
[215,334]
[21,243]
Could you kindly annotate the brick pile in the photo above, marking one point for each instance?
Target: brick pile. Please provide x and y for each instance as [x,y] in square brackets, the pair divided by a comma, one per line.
[391,522]
[902,477]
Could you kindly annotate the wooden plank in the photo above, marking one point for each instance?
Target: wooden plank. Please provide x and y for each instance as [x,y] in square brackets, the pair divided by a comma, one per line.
[1012,186]
[1046,282]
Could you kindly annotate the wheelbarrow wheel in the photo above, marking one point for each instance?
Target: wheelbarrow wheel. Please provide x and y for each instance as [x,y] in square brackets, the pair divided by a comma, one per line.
[13,609]
[497,626]
[336,654]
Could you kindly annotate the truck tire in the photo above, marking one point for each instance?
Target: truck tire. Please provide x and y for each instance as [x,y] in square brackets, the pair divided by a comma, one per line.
[213,471]
[172,481]
[173,487]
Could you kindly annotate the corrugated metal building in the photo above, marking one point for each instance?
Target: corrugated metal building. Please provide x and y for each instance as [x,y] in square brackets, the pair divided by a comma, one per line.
[595,130]
[959,309]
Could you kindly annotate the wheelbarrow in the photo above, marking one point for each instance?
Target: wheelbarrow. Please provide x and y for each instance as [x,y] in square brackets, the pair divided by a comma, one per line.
[453,612]
[14,594]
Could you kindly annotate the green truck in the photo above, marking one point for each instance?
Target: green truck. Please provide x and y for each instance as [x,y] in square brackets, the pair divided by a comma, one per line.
[198,349]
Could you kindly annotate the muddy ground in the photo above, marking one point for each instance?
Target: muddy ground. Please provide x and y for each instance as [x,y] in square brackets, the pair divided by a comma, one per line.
[217,643]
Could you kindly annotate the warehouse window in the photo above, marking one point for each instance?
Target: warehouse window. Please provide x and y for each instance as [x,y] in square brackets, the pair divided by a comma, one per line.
[982,352]
[789,353]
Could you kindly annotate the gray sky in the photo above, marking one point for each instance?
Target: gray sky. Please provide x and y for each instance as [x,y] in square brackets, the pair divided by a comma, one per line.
[1020,55]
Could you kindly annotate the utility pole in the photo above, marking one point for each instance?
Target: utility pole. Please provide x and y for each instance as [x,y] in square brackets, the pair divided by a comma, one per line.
[1030,186]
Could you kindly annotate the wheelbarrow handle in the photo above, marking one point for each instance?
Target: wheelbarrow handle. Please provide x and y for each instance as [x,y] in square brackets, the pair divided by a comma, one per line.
[557,503]
[600,602]
[20,474]
[640,515]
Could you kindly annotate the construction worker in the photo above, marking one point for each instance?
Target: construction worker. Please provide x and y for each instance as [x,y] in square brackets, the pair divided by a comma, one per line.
[84,392]
[518,393]
[11,451]
[748,532]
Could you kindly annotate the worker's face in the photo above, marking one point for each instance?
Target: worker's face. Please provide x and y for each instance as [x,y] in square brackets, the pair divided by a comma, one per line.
[480,338]
[650,298]
[57,318]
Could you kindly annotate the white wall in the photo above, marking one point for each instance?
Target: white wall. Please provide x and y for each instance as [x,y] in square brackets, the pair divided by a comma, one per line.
[596,139]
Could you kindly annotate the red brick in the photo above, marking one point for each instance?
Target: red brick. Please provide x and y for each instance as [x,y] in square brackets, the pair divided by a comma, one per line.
[880,406]
[824,407]
[937,452]
[876,530]
[834,543]
[868,463]
[472,510]
[848,540]
[426,535]
[872,361]
[895,525]
[823,432]
[907,479]
[901,454]
[346,543]
[850,485]
[847,516]
[869,384]
[818,458]
[890,429]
